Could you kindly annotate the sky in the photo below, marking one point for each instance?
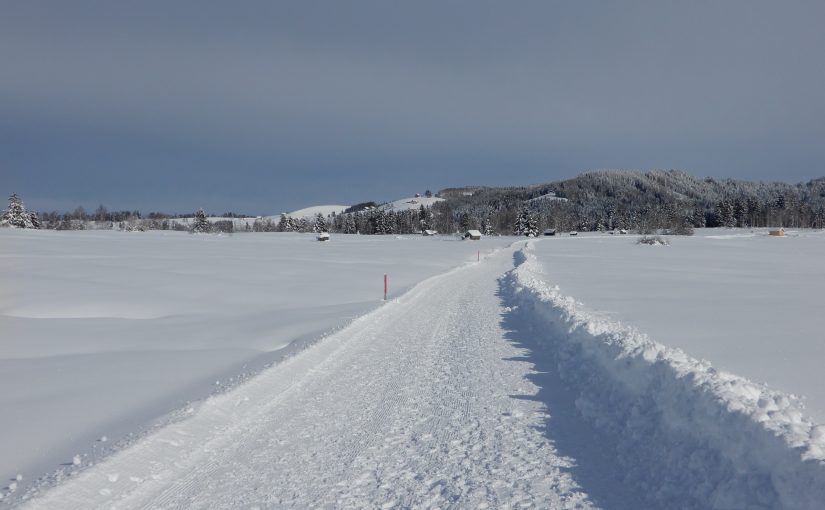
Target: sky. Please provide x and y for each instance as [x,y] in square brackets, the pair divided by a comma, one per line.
[265,107]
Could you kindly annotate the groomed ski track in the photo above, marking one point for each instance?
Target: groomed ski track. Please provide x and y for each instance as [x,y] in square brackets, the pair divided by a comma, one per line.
[421,403]
[482,387]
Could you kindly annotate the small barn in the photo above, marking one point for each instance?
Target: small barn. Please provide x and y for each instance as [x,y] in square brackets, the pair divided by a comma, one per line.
[429,232]
[323,236]
[574,233]
[474,235]
[778,232]
[550,232]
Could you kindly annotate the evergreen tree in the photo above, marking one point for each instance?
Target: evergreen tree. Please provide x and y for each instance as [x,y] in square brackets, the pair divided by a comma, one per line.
[698,219]
[350,226]
[16,215]
[488,227]
[200,225]
[320,224]
[526,224]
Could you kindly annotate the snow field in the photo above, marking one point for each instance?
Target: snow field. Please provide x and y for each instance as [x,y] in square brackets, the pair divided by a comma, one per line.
[106,333]
[688,435]
[417,404]
[748,302]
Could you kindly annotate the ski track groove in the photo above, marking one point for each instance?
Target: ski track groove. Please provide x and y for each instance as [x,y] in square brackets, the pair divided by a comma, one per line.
[412,405]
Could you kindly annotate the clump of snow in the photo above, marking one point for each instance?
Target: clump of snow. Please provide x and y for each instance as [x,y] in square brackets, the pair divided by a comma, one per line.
[694,436]
[76,460]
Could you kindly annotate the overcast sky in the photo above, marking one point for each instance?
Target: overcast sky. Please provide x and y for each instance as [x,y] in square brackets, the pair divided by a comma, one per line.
[263,107]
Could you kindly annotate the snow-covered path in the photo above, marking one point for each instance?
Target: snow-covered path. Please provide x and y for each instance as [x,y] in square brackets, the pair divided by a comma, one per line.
[423,402]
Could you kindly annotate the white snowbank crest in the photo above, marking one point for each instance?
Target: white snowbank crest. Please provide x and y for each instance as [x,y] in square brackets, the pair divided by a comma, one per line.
[693,436]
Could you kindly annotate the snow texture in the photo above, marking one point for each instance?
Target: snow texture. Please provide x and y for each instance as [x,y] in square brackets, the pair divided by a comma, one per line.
[690,435]
[106,333]
[481,387]
[419,403]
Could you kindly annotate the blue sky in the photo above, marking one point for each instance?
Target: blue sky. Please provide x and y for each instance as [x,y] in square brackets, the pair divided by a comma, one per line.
[263,107]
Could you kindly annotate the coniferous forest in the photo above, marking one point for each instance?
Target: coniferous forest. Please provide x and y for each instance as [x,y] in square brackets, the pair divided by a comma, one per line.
[669,202]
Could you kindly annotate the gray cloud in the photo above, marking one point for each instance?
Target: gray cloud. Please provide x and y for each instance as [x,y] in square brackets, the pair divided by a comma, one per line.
[363,93]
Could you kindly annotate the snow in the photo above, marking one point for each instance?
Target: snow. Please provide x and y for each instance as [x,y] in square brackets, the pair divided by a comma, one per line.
[744,300]
[549,197]
[311,212]
[237,223]
[695,436]
[405,204]
[559,372]
[411,405]
[106,332]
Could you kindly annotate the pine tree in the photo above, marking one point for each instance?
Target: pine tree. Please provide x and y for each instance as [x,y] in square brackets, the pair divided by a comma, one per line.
[526,224]
[200,225]
[16,215]
[320,224]
[488,227]
[532,225]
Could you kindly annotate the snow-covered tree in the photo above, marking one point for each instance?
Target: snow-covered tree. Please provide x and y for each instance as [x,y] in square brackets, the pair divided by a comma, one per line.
[526,224]
[16,215]
[488,227]
[200,225]
[320,224]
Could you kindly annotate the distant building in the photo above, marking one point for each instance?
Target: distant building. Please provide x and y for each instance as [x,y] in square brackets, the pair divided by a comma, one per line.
[574,233]
[429,232]
[777,232]
[474,235]
[550,232]
[323,236]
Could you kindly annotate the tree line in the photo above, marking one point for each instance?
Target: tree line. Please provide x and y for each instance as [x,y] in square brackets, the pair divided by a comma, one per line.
[670,202]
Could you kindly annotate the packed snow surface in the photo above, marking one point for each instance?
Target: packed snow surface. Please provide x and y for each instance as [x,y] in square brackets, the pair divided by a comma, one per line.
[105,332]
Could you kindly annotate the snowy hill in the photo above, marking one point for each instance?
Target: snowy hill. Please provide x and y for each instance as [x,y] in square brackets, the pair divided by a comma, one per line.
[405,204]
[311,212]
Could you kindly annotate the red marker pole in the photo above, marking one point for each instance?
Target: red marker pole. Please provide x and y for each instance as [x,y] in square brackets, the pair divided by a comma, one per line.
[385,286]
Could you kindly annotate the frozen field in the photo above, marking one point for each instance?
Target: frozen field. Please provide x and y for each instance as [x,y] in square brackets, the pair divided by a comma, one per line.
[104,333]
[553,373]
[749,303]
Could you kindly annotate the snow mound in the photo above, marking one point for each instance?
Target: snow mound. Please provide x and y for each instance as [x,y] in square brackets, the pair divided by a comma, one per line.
[692,436]
[405,204]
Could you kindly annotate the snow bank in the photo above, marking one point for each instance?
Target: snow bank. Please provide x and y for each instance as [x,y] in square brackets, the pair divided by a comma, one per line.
[691,436]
